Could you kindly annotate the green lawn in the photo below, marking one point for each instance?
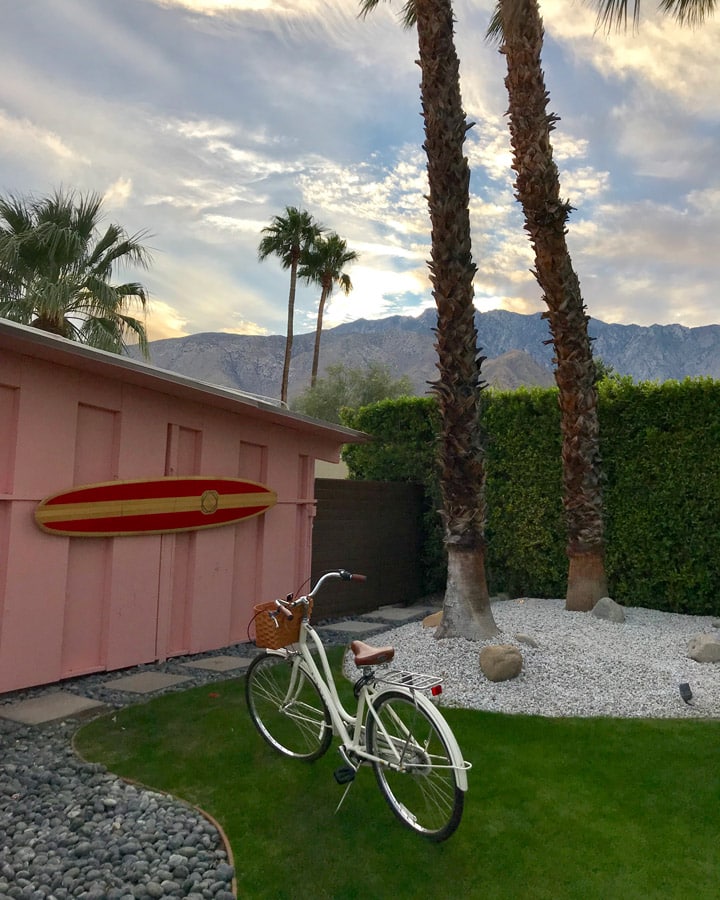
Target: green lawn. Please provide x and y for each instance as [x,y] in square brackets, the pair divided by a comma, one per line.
[557,808]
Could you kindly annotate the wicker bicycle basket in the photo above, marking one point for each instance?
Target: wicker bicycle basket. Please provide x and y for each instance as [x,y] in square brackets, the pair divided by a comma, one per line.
[273,636]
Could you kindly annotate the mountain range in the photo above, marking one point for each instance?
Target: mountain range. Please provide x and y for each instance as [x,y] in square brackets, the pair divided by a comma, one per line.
[516,347]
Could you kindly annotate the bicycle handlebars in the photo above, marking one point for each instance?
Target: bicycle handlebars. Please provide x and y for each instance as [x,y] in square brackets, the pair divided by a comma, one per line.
[288,603]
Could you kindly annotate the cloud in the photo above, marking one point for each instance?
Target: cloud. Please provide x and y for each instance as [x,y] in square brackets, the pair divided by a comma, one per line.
[375,293]
[118,193]
[667,57]
[22,136]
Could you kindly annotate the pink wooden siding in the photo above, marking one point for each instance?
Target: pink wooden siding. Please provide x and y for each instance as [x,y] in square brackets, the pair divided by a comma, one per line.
[71,416]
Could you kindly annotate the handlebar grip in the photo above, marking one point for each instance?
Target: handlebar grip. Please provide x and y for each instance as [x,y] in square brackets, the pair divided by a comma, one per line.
[358,578]
[283,609]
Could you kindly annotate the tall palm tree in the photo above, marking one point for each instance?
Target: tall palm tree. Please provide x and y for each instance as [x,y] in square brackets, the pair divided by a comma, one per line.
[518,25]
[287,237]
[56,269]
[322,263]
[466,608]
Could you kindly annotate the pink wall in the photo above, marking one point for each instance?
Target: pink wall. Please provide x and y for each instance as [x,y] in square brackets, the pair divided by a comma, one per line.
[71,416]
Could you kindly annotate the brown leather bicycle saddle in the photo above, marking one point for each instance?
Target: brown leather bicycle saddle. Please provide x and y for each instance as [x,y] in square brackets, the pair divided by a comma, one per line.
[366,655]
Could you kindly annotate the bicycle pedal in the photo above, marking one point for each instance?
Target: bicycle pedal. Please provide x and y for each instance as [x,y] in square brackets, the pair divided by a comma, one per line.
[344,775]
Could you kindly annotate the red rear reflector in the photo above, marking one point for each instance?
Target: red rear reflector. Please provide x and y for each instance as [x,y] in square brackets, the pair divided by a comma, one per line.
[436,690]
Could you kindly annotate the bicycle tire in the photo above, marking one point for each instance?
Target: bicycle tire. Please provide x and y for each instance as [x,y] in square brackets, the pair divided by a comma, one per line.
[417,780]
[291,716]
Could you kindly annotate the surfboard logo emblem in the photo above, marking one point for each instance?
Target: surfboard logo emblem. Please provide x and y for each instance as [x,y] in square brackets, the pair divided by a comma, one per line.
[209,502]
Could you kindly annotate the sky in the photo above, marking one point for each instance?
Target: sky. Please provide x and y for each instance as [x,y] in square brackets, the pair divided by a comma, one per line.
[200,120]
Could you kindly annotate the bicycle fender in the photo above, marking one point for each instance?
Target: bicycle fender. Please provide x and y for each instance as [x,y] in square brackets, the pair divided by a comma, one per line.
[456,757]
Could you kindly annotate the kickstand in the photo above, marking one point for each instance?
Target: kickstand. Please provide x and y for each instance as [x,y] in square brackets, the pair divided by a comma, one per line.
[342,799]
[345,775]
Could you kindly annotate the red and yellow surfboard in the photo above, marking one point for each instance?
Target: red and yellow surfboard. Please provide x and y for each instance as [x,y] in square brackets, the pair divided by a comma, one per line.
[152,506]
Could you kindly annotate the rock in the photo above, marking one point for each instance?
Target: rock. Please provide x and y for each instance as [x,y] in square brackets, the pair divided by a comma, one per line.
[500,662]
[715,623]
[526,639]
[608,610]
[433,620]
[704,648]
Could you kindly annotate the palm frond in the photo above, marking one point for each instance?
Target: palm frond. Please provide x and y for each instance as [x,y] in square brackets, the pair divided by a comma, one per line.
[689,12]
[494,33]
[367,6]
[408,14]
[614,14]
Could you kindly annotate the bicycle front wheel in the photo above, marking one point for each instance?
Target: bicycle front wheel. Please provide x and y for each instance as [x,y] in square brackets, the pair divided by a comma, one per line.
[416,775]
[287,708]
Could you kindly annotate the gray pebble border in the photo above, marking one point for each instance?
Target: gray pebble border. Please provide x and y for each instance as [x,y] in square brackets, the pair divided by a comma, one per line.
[71,830]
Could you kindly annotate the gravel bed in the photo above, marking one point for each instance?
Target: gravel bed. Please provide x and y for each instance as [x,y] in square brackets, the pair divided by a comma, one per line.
[582,666]
[69,830]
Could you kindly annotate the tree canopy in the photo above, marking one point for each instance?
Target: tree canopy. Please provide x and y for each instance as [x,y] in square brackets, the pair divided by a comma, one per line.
[343,387]
[56,269]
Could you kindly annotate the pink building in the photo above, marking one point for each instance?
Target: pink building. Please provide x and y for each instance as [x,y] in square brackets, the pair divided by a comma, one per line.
[71,415]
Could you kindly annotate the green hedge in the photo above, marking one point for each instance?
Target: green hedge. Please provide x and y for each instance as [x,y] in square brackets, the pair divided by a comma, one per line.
[661,458]
[660,445]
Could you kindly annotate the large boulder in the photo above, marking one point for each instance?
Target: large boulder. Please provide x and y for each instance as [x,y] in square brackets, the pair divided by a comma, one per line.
[433,620]
[500,662]
[608,610]
[704,648]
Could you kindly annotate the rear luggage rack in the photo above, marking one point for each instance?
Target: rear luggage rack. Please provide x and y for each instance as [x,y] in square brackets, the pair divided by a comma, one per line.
[413,680]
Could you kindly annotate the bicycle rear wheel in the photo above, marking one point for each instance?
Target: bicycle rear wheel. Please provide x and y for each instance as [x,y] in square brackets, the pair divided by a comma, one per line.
[416,776]
[287,708]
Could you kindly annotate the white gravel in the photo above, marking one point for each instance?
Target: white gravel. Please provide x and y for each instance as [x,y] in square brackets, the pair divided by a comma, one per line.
[582,666]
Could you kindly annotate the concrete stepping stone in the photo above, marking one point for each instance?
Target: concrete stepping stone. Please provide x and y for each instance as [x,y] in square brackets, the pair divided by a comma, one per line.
[49,707]
[145,682]
[398,613]
[353,627]
[220,663]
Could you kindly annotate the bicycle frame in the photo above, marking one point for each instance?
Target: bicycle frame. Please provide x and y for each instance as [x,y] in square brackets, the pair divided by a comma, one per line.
[350,728]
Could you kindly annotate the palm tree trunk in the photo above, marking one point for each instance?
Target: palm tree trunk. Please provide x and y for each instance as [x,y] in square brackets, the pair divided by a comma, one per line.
[538,190]
[466,610]
[51,325]
[318,333]
[289,331]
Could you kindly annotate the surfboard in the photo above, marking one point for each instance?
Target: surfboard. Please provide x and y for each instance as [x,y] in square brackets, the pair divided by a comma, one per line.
[152,506]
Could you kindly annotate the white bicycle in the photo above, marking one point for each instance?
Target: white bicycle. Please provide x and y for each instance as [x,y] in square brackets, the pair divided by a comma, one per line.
[396,728]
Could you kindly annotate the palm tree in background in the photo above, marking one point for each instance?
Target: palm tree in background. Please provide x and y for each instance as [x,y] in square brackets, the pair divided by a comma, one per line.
[466,608]
[287,237]
[56,268]
[518,26]
[322,263]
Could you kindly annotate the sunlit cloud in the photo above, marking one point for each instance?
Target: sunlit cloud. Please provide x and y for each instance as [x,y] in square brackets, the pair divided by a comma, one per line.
[119,192]
[164,321]
[213,7]
[375,294]
[20,136]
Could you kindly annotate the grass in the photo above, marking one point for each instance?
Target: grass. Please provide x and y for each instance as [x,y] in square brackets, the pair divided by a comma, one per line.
[557,808]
